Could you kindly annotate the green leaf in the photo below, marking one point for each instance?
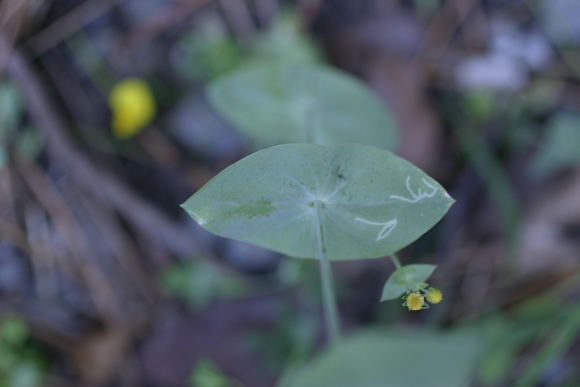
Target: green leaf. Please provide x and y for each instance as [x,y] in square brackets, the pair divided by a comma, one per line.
[29,144]
[210,51]
[290,102]
[366,202]
[8,358]
[206,374]
[13,331]
[374,359]
[405,279]
[11,107]
[3,156]
[426,8]
[561,147]
[285,41]
[497,363]
[200,282]
[25,375]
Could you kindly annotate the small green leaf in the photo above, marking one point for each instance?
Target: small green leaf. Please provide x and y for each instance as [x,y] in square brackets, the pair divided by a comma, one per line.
[25,375]
[210,51]
[206,374]
[373,359]
[561,147]
[200,282]
[480,104]
[3,156]
[13,331]
[366,202]
[426,8]
[8,358]
[29,144]
[497,363]
[405,279]
[285,41]
[11,107]
[291,102]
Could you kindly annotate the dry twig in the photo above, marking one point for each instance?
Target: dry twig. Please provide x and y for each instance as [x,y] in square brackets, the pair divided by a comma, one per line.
[68,24]
[146,219]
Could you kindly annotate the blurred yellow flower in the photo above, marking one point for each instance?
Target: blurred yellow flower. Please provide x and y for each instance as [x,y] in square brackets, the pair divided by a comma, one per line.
[434,295]
[415,301]
[132,106]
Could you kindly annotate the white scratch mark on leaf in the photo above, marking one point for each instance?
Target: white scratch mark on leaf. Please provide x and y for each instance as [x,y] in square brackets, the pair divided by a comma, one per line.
[420,195]
[387,227]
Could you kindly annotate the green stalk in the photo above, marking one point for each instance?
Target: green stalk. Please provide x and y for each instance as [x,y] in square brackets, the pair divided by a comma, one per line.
[331,318]
[395,260]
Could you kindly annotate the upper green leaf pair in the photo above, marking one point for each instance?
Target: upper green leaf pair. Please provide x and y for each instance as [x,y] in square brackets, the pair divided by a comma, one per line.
[292,102]
[367,202]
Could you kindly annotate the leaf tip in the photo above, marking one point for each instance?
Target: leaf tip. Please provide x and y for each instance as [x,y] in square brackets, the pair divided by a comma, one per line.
[389,297]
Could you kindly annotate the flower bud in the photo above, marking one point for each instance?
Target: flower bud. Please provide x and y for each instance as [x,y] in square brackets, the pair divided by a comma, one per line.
[434,295]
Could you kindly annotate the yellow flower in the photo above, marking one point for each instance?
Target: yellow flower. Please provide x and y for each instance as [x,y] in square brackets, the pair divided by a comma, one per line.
[434,296]
[132,105]
[415,301]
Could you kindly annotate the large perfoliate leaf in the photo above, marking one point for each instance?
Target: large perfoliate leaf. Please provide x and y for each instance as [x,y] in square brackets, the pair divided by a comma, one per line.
[374,359]
[291,102]
[363,201]
[405,279]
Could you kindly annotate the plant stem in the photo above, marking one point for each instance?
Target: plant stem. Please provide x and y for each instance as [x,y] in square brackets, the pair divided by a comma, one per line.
[328,297]
[395,260]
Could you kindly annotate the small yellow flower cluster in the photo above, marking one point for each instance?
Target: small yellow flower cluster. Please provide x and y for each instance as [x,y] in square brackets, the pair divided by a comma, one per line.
[415,300]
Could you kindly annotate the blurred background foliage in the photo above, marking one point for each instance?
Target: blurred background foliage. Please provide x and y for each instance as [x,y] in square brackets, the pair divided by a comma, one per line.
[104,281]
[21,362]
